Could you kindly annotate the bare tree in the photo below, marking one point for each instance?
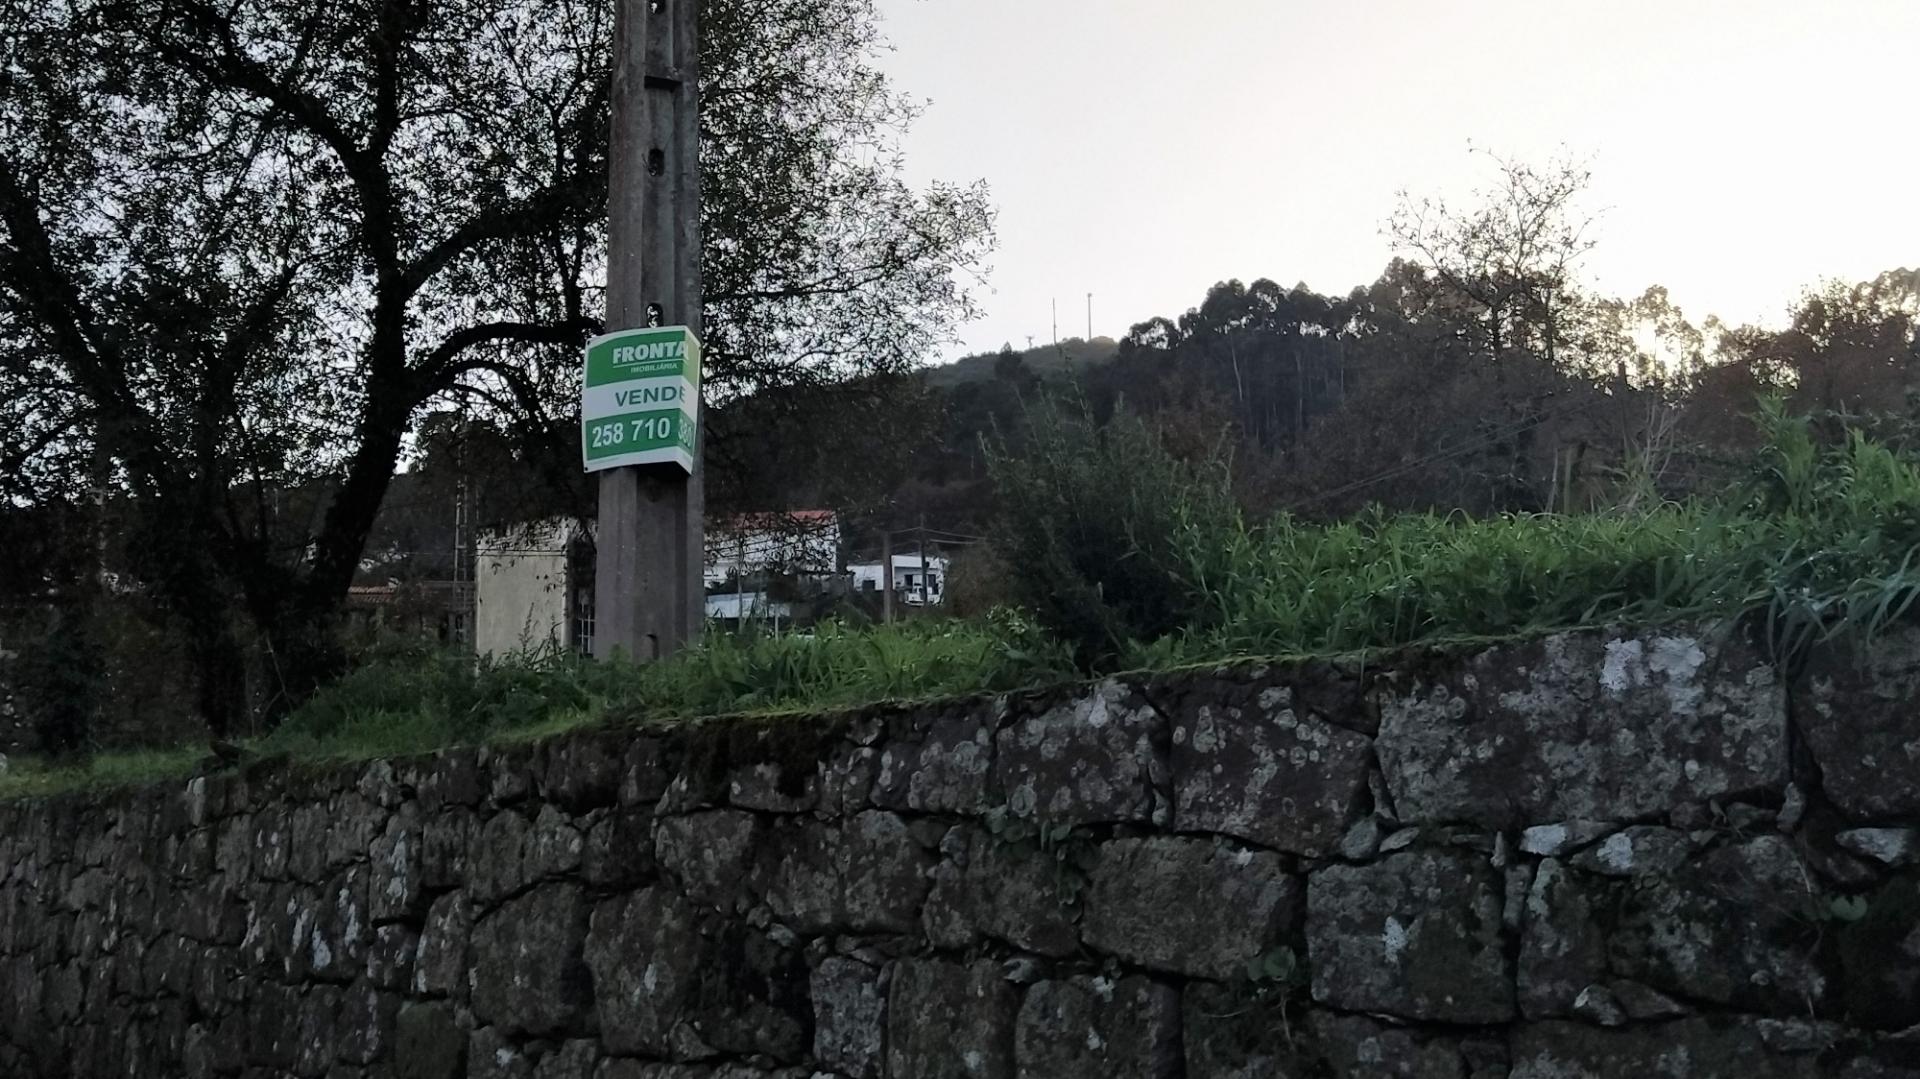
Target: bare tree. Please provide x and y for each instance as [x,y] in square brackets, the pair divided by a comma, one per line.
[1511,252]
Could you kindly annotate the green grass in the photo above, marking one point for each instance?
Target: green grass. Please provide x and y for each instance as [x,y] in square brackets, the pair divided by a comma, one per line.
[1824,540]
[404,700]
[1384,582]
[29,777]
[412,701]
[1153,566]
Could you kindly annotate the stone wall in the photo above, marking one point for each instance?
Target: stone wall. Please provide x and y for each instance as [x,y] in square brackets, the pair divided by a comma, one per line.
[1594,854]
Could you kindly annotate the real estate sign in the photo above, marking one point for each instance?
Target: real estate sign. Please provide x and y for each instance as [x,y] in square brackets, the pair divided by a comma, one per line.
[640,398]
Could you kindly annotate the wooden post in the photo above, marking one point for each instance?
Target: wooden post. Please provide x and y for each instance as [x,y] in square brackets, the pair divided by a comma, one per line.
[648,584]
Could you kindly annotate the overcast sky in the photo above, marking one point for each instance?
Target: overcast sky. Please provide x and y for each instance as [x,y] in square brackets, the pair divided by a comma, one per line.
[1141,151]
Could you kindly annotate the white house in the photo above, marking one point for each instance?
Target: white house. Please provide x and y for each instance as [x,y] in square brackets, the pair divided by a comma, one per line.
[907,582]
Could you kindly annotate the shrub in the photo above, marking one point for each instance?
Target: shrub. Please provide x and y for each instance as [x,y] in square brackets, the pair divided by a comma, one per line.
[979,581]
[59,681]
[1103,529]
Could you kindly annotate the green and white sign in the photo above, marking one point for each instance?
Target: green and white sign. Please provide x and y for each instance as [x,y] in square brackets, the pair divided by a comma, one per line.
[640,399]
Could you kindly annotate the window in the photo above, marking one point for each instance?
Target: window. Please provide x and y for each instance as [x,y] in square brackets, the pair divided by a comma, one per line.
[580,573]
[583,620]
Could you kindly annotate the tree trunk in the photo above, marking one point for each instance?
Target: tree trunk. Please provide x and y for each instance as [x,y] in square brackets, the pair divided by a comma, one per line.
[180,550]
[219,667]
[301,632]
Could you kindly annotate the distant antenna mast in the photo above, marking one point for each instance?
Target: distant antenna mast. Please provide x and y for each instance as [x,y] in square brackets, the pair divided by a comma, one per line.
[1056,322]
[1089,316]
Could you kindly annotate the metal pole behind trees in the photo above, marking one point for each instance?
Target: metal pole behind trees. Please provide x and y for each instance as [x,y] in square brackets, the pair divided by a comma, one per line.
[886,577]
[648,584]
[926,591]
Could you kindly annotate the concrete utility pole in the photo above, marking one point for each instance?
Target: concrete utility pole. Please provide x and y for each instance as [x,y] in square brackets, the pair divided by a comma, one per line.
[648,584]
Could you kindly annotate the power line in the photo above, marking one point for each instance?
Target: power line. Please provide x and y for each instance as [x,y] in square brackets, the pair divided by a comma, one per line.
[957,537]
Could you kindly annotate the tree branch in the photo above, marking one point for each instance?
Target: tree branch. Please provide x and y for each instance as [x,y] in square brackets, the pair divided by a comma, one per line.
[29,266]
[544,207]
[821,287]
[229,66]
[523,391]
[388,35]
[440,369]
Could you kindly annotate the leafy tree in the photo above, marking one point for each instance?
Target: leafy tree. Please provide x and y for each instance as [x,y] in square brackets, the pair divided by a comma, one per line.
[1856,347]
[245,246]
[810,447]
[1850,354]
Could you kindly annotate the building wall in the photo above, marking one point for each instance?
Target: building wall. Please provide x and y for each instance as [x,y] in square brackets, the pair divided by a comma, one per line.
[1594,854]
[871,576]
[521,584]
[732,607]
